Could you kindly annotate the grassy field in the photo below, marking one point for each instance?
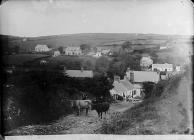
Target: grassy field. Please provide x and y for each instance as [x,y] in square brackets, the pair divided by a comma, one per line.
[19,59]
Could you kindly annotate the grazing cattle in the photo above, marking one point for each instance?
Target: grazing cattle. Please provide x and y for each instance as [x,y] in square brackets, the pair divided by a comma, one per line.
[100,107]
[81,104]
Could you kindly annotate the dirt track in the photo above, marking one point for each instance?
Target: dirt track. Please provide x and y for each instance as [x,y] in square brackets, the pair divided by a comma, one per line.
[73,124]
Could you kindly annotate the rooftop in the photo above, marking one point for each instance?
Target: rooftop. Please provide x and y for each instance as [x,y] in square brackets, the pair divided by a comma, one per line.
[79,73]
[144,76]
[166,65]
[122,86]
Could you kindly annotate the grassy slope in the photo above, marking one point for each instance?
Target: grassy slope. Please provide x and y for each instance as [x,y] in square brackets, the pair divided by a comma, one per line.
[94,39]
[168,114]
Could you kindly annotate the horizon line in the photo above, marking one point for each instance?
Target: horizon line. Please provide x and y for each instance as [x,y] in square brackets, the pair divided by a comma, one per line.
[95,33]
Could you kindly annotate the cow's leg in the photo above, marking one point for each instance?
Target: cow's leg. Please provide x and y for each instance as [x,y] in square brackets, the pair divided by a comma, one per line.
[86,111]
[78,111]
[98,114]
[101,115]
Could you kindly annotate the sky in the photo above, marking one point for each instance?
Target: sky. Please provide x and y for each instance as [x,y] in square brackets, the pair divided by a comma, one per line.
[54,17]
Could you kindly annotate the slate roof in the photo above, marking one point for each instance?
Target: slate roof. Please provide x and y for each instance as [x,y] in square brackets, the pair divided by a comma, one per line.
[166,65]
[122,86]
[144,76]
[79,73]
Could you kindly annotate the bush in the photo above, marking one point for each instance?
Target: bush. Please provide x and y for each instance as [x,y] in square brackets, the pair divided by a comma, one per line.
[148,88]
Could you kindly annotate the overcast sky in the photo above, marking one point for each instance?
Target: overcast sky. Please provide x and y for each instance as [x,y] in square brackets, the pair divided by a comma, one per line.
[52,17]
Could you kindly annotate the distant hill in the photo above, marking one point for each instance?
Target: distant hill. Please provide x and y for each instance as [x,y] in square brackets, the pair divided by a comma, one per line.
[94,39]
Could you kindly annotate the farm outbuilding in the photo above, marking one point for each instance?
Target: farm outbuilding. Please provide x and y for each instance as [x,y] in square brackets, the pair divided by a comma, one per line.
[79,73]
[42,48]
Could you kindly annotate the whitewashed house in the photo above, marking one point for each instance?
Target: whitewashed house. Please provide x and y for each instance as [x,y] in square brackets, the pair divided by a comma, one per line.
[56,53]
[42,48]
[43,62]
[178,68]
[121,88]
[162,67]
[98,54]
[105,51]
[73,51]
[163,47]
[125,89]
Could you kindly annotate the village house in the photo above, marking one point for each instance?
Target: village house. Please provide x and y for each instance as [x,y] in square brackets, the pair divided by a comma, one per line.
[138,77]
[56,53]
[163,47]
[98,54]
[43,62]
[121,88]
[178,68]
[73,51]
[125,89]
[105,51]
[42,48]
[162,67]
[79,73]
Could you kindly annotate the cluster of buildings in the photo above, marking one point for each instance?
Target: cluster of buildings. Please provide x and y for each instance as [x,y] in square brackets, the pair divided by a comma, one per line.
[44,48]
[72,51]
[131,86]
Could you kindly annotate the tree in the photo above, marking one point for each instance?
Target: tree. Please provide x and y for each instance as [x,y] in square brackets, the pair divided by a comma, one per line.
[117,68]
[86,48]
[16,49]
[145,62]
[88,65]
[98,86]
[102,65]
[60,49]
[148,88]
[127,46]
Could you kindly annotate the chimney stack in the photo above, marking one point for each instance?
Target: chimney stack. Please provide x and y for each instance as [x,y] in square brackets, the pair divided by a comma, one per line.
[117,78]
[64,68]
[128,69]
[131,77]
[82,69]
[125,77]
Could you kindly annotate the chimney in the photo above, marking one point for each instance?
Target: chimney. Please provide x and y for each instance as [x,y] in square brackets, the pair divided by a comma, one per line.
[82,69]
[128,69]
[125,77]
[64,68]
[131,77]
[116,78]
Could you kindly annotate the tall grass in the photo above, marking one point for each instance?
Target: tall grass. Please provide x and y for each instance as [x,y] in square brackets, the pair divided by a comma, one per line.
[141,112]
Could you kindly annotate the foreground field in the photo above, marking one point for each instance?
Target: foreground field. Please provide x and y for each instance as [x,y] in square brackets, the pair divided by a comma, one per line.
[73,124]
[170,113]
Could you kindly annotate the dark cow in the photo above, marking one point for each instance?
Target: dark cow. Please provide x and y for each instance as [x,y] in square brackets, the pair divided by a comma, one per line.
[100,107]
